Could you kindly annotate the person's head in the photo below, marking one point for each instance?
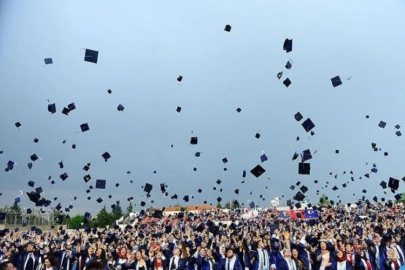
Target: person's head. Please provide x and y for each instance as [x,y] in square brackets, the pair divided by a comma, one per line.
[349,247]
[287,253]
[48,263]
[322,245]
[90,251]
[260,244]
[391,253]
[209,253]
[159,254]
[30,247]
[7,266]
[294,253]
[138,255]
[230,253]
[122,252]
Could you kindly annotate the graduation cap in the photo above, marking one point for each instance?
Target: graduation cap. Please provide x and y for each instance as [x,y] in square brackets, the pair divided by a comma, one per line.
[238,110]
[398,196]
[304,189]
[87,178]
[178,109]
[304,168]
[197,154]
[34,157]
[65,111]
[244,173]
[263,158]
[228,28]
[109,91]
[288,65]
[87,167]
[180,78]
[258,171]
[91,56]
[18,124]
[100,184]
[287,82]
[186,198]
[299,196]
[393,183]
[99,200]
[64,176]
[218,181]
[292,187]
[148,188]
[120,108]
[257,136]
[31,183]
[163,187]
[308,125]
[52,108]
[306,155]
[194,140]
[295,156]
[74,146]
[174,197]
[48,61]
[106,156]
[33,196]
[39,190]
[336,81]
[143,203]
[237,191]
[158,214]
[61,165]
[71,106]
[288,44]
[398,133]
[219,199]
[84,127]
[298,116]
[382,124]
[279,75]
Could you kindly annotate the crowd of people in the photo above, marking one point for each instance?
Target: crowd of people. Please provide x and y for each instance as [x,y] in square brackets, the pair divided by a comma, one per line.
[371,240]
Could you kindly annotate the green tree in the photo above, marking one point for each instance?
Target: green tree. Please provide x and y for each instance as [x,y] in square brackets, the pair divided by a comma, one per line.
[16,208]
[76,221]
[130,208]
[117,211]
[228,205]
[104,218]
[219,205]
[323,200]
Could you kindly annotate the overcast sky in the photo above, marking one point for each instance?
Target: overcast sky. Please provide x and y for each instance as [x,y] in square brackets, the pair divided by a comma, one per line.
[145,45]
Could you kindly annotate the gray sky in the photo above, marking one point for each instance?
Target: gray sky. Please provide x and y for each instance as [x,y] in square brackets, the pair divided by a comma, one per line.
[145,45]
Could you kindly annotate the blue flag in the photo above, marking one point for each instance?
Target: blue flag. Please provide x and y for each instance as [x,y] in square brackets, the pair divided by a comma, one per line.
[283,214]
[309,213]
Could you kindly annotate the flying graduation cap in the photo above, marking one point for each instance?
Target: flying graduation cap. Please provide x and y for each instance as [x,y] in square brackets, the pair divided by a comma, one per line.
[228,28]
[120,108]
[336,81]
[106,156]
[91,56]
[52,108]
[288,44]
[258,171]
[48,61]
[100,184]
[84,127]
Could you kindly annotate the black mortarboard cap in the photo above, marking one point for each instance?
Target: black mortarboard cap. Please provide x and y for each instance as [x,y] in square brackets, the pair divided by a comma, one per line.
[225,160]
[287,82]
[308,125]
[84,127]
[148,188]
[106,156]
[306,155]
[91,56]
[109,91]
[199,190]
[65,111]
[279,75]
[304,189]
[257,136]
[382,124]
[33,196]
[39,190]
[31,183]
[64,176]
[298,116]
[52,108]
[228,28]
[36,140]
[178,109]
[393,183]
[299,196]
[48,61]
[120,108]
[143,203]
[34,157]
[18,124]
[304,168]
[158,214]
[288,65]
[288,44]
[218,181]
[258,171]
[174,197]
[244,173]
[163,187]
[186,198]
[100,184]
[180,78]
[61,165]
[336,81]
[398,196]
[87,178]
[193,140]
[99,200]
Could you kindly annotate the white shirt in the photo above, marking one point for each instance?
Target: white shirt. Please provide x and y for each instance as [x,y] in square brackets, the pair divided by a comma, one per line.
[231,263]
[341,265]
[291,264]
